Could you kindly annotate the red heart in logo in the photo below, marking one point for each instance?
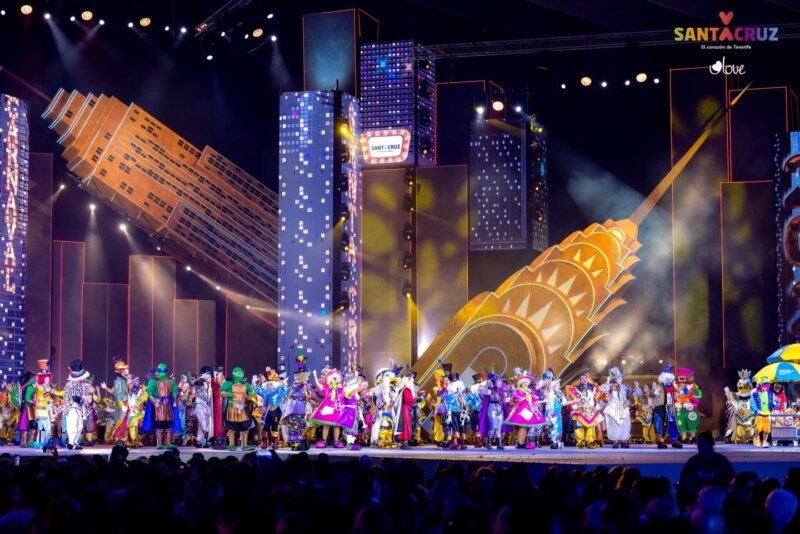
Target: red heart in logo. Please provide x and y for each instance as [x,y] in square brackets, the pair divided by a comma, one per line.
[726,17]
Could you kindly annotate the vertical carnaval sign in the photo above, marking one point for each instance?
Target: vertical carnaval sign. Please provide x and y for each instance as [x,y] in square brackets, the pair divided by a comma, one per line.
[13,238]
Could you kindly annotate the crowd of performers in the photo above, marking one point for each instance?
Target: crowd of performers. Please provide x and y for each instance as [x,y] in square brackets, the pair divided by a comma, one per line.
[343,409]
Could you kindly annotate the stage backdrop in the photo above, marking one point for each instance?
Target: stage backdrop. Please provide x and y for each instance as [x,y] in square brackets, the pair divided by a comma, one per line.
[151,313]
[67,318]
[105,328]
[37,294]
[442,248]
[385,327]
[194,342]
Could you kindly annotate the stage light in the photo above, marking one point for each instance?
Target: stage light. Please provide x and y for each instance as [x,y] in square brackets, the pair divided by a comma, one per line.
[209,57]
[408,289]
[656,80]
[26,9]
[641,77]
[217,288]
[47,16]
[247,36]
[586,81]
[480,109]
[273,37]
[563,86]
[344,275]
[408,231]
[344,213]
[87,16]
[183,29]
[518,109]
[123,227]
[144,22]
[271,15]
[627,82]
[158,249]
[408,260]
[498,105]
[247,307]
[604,84]
[92,207]
[130,24]
[62,187]
[222,34]
[166,28]
[71,19]
[102,22]
[258,32]
[188,268]
[3,12]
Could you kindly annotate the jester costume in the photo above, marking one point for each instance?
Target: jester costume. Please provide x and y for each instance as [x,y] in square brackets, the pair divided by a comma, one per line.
[617,409]
[664,410]
[763,404]
[273,393]
[643,402]
[294,407]
[585,416]
[120,400]
[330,408]
[493,410]
[43,405]
[457,414]
[741,418]
[237,399]
[203,407]
[524,413]
[74,406]
[383,395]
[553,403]
[137,397]
[27,416]
[9,412]
[687,399]
[351,416]
[161,414]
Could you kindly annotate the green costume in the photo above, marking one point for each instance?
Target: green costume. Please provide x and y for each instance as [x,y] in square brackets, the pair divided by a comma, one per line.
[236,398]
[161,392]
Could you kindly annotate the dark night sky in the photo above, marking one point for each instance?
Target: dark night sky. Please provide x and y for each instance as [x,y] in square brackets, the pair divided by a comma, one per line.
[231,103]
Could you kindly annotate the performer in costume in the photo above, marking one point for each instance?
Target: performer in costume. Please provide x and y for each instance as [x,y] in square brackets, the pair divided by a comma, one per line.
[405,402]
[777,389]
[383,395]
[687,399]
[554,402]
[74,403]
[351,416]
[107,408]
[664,410]
[457,415]
[137,397]
[162,392]
[9,411]
[217,414]
[493,410]
[441,430]
[27,417]
[238,397]
[617,410]
[294,409]
[43,405]
[585,415]
[90,400]
[643,402]
[274,391]
[120,395]
[763,403]
[741,418]
[202,407]
[524,413]
[330,407]
[473,401]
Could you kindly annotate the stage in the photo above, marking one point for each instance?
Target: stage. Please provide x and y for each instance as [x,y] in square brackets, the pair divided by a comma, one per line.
[773,462]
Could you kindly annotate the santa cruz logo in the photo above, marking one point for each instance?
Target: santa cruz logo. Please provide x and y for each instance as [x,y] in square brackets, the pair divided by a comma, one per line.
[735,34]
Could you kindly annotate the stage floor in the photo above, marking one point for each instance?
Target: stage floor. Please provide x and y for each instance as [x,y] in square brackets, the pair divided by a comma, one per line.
[773,461]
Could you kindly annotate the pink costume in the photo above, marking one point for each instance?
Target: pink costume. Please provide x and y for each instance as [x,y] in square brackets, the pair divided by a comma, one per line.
[524,410]
[330,409]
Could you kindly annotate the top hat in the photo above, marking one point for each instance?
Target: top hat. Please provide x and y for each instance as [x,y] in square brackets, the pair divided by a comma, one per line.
[447,368]
[206,370]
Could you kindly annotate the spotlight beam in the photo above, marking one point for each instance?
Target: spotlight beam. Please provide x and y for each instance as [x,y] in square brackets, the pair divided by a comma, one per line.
[652,199]
[30,87]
